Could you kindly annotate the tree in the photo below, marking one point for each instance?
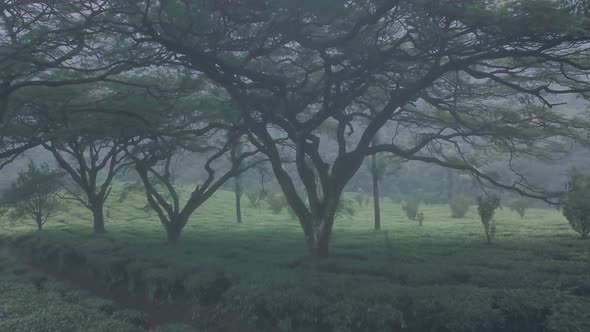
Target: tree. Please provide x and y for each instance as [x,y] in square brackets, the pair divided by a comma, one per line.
[381,167]
[576,207]
[34,194]
[86,129]
[486,207]
[447,74]
[519,205]
[59,43]
[52,44]
[235,152]
[376,177]
[152,163]
[459,206]
[197,121]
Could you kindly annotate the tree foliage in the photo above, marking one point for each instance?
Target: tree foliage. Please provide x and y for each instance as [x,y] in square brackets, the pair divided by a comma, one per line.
[449,75]
[576,208]
[411,207]
[450,83]
[486,207]
[519,205]
[459,206]
[34,194]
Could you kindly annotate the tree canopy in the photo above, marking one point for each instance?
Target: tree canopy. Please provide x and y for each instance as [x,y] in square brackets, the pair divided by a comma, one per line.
[450,83]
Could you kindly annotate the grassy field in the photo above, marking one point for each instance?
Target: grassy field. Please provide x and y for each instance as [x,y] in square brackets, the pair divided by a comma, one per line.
[438,277]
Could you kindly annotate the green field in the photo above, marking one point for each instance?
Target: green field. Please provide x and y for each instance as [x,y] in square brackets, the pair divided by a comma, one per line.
[437,277]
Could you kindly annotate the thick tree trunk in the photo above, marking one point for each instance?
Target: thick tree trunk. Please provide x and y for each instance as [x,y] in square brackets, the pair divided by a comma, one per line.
[173,231]
[4,86]
[318,230]
[238,192]
[377,209]
[39,221]
[98,217]
[319,245]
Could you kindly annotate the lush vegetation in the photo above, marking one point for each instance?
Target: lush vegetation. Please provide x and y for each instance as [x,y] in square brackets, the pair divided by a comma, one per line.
[33,195]
[459,206]
[576,208]
[441,276]
[321,103]
[32,301]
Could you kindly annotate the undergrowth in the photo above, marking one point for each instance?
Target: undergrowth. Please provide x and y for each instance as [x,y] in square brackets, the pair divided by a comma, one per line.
[438,277]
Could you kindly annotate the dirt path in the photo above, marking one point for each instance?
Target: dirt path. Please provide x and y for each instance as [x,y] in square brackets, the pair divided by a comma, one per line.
[158,314]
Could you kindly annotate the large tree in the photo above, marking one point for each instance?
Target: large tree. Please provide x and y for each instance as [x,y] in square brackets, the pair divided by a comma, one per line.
[215,141]
[87,129]
[447,74]
[48,43]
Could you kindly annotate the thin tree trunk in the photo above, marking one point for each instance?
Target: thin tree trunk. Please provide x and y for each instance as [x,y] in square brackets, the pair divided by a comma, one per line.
[451,185]
[98,216]
[238,193]
[375,174]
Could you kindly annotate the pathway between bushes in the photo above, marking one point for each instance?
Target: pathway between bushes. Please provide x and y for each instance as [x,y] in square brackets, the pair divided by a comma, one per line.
[158,314]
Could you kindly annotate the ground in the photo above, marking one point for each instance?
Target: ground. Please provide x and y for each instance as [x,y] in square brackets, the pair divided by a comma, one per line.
[222,276]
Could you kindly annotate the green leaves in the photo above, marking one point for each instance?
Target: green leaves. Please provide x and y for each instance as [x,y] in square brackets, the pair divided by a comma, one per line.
[34,194]
[576,206]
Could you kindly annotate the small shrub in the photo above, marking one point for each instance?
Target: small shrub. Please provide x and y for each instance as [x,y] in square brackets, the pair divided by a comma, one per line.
[519,205]
[410,207]
[486,207]
[420,218]
[345,208]
[130,316]
[255,198]
[459,206]
[577,204]
[276,203]
[360,198]
[396,197]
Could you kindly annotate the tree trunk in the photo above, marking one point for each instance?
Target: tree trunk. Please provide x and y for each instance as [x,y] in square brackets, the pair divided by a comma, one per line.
[39,221]
[238,192]
[319,230]
[319,245]
[4,86]
[451,185]
[173,231]
[98,216]
[377,209]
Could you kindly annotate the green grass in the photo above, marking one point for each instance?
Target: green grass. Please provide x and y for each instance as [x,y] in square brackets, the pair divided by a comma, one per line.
[438,277]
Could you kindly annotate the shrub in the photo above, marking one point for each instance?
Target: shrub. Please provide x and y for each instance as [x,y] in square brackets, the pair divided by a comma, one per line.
[519,205]
[459,206]
[395,196]
[360,198]
[276,203]
[420,218]
[255,198]
[130,316]
[486,207]
[577,204]
[411,207]
[345,208]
